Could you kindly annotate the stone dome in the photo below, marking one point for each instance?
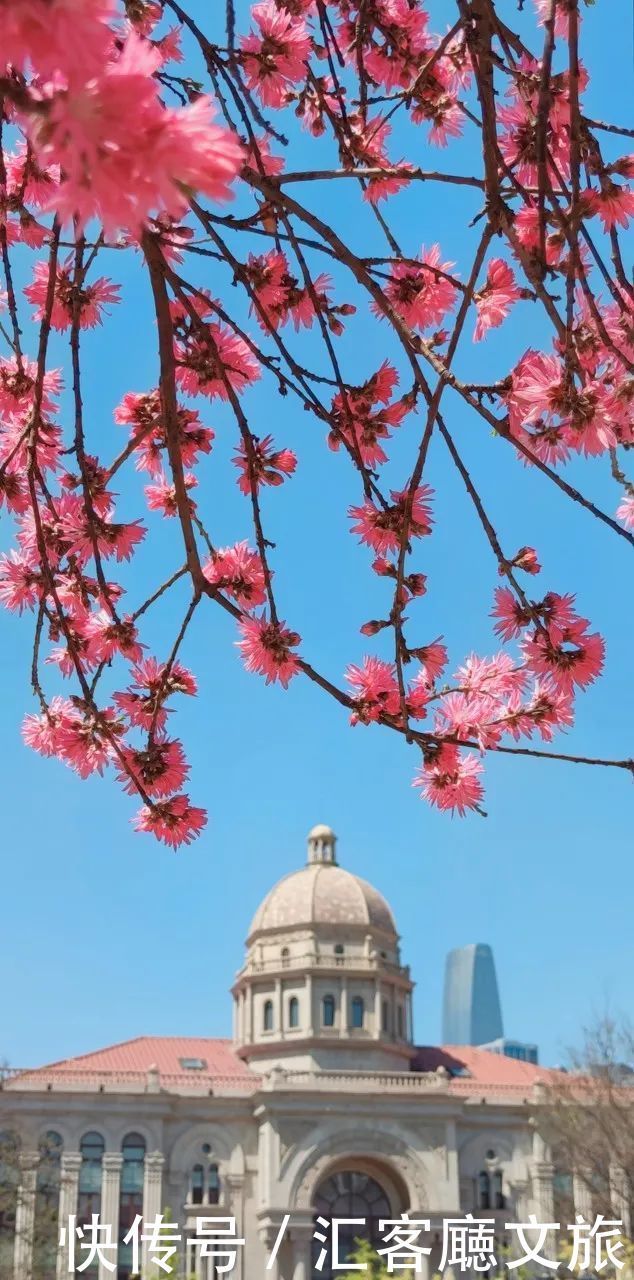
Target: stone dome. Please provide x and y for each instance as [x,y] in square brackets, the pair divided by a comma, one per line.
[323,893]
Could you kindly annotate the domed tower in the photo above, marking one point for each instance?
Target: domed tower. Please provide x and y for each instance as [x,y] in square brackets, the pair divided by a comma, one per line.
[323,985]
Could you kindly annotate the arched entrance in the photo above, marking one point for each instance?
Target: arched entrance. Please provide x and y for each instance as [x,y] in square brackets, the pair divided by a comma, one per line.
[350,1193]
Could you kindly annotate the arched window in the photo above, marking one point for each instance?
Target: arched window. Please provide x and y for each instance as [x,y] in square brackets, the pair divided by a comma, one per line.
[351,1194]
[563,1194]
[204,1181]
[358,1011]
[286,957]
[328,1011]
[198,1184]
[132,1173]
[213,1183]
[267,1015]
[9,1182]
[293,1012]
[47,1205]
[484,1190]
[497,1193]
[89,1199]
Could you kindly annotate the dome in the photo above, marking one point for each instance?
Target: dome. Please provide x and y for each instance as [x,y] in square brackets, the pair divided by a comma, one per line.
[323,893]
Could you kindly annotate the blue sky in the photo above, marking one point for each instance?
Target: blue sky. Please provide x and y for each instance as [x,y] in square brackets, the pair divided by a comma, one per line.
[105,935]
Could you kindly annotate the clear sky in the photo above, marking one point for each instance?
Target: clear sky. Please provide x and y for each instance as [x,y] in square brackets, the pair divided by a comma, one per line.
[105,935]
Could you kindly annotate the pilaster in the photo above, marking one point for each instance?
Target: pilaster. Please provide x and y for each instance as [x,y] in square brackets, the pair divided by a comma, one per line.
[68,1193]
[582,1194]
[110,1193]
[25,1215]
[152,1203]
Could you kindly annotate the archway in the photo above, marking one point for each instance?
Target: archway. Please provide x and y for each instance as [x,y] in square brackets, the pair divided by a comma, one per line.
[351,1191]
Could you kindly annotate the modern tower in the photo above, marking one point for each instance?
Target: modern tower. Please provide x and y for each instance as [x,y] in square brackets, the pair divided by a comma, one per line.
[471,1008]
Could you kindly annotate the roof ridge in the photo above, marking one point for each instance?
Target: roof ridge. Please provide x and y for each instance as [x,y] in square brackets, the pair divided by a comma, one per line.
[77,1057]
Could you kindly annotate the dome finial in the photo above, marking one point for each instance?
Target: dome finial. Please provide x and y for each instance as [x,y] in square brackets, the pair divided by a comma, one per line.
[322,843]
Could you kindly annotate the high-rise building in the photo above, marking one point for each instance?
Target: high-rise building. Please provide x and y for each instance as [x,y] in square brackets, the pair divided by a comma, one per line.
[514,1049]
[471,1009]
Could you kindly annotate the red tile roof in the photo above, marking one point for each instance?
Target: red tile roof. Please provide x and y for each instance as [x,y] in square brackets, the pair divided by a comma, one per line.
[471,1071]
[132,1060]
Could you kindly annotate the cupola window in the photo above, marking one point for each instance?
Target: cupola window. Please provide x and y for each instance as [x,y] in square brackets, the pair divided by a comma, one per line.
[328,1011]
[358,1012]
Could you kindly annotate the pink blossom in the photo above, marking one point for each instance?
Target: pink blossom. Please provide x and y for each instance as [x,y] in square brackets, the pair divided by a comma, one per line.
[161,496]
[239,571]
[614,204]
[17,386]
[510,615]
[207,366]
[382,529]
[20,582]
[174,821]
[374,689]
[159,769]
[357,422]
[263,464]
[40,732]
[123,154]
[267,649]
[422,295]
[54,32]
[563,9]
[85,740]
[451,780]
[433,659]
[153,683]
[274,57]
[495,299]
[144,414]
[258,156]
[568,654]
[26,180]
[625,512]
[107,638]
[91,298]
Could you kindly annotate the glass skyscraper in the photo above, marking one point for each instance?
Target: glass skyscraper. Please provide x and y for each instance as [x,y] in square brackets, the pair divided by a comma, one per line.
[471,1007]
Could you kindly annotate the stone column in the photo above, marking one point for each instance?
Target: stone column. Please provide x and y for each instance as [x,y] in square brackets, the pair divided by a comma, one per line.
[310,1027]
[234,1183]
[68,1191]
[279,1007]
[25,1215]
[520,1198]
[301,1238]
[152,1203]
[452,1171]
[581,1194]
[544,1191]
[543,1172]
[110,1191]
[619,1196]
[343,1008]
[377,1011]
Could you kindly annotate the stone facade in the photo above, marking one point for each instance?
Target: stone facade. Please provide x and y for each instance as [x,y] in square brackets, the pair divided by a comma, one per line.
[323,1084]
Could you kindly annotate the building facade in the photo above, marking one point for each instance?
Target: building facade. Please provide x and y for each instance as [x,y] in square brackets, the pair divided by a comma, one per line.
[321,1104]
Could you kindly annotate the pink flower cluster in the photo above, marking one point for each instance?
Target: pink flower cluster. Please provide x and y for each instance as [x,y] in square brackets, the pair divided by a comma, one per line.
[93,116]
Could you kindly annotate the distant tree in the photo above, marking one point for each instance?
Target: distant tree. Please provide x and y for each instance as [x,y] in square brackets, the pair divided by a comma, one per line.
[587,1117]
[376,1268]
